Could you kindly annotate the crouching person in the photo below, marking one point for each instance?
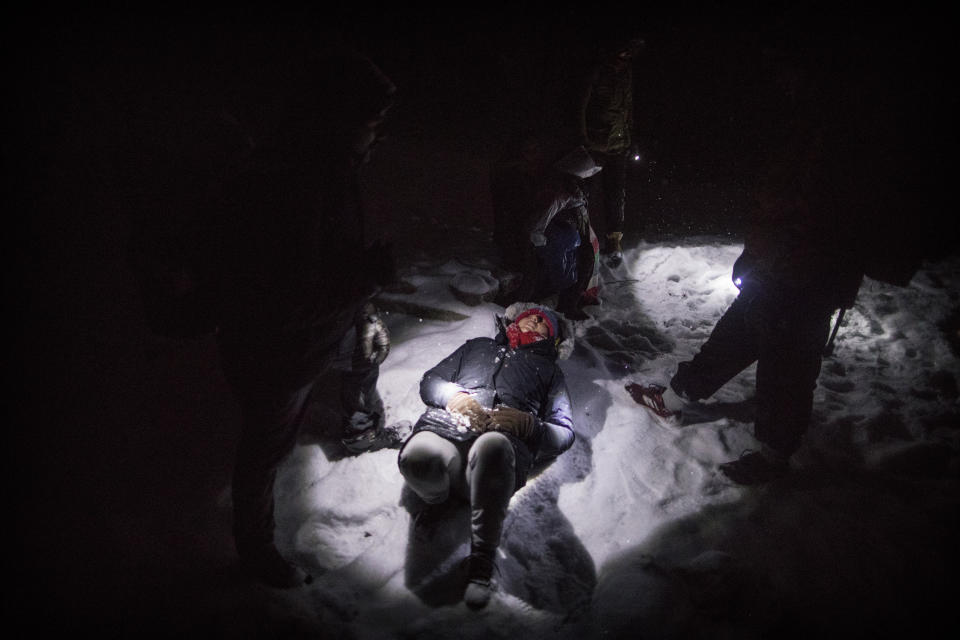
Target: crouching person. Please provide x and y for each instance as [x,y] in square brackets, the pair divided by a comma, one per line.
[495,408]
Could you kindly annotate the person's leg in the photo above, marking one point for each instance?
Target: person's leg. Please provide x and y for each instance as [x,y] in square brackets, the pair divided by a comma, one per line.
[791,353]
[272,403]
[569,242]
[591,265]
[558,257]
[733,345]
[363,418]
[614,179]
[432,466]
[360,401]
[491,479]
[271,420]
[586,259]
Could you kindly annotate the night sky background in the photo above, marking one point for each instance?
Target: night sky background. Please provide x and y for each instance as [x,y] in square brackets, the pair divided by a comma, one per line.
[108,116]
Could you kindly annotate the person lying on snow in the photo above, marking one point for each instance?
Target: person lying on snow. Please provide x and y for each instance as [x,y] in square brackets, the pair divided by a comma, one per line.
[495,407]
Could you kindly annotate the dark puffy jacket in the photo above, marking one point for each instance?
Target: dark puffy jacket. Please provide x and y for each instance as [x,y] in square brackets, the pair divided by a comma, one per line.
[526,378]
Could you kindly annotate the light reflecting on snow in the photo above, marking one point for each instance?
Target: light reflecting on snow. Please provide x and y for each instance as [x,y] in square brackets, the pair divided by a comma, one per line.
[635,503]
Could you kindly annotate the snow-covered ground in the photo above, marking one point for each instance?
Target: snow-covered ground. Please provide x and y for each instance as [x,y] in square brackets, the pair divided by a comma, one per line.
[122,443]
[633,532]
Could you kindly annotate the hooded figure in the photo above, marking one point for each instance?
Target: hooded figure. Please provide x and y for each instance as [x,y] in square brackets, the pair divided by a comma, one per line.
[562,260]
[495,408]
[292,275]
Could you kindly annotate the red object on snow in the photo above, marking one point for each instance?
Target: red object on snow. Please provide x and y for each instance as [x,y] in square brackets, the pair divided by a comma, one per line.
[651,397]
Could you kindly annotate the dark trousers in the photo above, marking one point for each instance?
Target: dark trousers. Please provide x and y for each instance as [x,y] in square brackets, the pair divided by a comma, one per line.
[273,404]
[570,297]
[613,183]
[786,340]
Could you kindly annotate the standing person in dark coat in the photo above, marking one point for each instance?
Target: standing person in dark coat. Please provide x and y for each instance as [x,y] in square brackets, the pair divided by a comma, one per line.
[828,188]
[495,406]
[292,276]
[606,131]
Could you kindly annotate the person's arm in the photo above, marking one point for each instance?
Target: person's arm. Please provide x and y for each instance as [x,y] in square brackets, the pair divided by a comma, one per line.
[438,386]
[553,429]
[548,204]
[557,420]
[552,199]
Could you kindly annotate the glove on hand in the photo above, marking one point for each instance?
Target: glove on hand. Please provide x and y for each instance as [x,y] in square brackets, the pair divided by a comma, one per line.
[373,336]
[512,421]
[466,405]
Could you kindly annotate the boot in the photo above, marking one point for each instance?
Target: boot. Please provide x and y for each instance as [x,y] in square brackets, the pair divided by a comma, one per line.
[378,437]
[614,249]
[479,578]
[757,467]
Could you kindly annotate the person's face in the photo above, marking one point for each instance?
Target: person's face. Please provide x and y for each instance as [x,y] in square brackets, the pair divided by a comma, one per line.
[534,323]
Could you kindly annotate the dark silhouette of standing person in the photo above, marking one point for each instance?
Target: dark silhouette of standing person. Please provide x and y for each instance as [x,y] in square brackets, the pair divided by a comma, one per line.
[836,170]
[287,270]
[605,119]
